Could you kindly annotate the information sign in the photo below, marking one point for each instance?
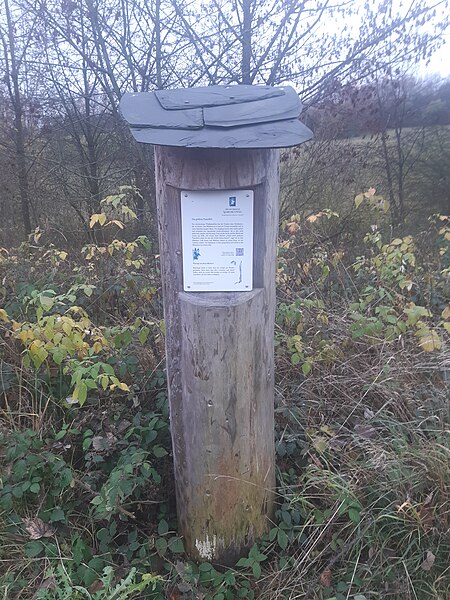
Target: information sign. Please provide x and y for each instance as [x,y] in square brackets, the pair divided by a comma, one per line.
[217,236]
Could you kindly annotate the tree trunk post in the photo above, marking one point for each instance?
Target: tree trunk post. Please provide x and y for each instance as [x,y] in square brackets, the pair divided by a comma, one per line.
[217,185]
[220,365]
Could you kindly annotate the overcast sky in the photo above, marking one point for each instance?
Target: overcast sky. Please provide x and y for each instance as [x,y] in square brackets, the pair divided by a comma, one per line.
[440,61]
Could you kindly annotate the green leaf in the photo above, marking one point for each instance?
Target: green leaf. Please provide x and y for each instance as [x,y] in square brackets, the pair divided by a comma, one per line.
[282,539]
[295,358]
[80,392]
[46,302]
[161,546]
[176,545]
[33,549]
[256,570]
[286,516]
[354,515]
[306,368]
[159,451]
[57,514]
[242,562]
[143,335]
[59,355]
[163,527]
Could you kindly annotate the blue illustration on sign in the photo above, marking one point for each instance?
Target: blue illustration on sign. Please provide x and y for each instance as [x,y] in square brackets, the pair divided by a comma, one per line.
[232,201]
[195,253]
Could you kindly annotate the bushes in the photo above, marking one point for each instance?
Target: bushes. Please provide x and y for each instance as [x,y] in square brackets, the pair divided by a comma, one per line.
[87,500]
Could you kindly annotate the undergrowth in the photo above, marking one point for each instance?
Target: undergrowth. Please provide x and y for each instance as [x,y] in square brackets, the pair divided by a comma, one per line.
[86,497]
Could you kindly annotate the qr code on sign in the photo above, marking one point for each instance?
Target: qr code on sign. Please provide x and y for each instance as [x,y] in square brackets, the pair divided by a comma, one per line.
[239,251]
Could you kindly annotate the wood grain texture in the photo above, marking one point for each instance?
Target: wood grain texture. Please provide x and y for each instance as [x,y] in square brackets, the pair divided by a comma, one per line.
[220,367]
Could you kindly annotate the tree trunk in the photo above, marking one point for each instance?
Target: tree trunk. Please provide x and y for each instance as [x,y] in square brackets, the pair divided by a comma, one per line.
[220,365]
[19,134]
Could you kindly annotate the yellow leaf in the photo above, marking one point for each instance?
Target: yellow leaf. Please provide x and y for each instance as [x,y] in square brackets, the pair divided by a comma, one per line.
[320,444]
[445,312]
[4,316]
[116,222]
[359,200]
[25,335]
[16,325]
[447,327]
[430,342]
[406,284]
[35,345]
[93,221]
[97,218]
[97,347]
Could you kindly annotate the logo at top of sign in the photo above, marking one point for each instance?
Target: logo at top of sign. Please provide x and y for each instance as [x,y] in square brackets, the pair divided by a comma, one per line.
[232,201]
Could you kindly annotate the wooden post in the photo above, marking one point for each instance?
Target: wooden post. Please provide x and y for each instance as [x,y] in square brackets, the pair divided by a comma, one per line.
[220,366]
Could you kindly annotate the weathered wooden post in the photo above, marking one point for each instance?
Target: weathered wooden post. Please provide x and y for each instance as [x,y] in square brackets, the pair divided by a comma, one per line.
[217,196]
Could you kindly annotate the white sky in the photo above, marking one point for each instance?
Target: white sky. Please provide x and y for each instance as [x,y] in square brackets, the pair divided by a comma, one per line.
[439,63]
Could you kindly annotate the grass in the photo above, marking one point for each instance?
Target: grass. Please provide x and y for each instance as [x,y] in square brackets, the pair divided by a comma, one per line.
[86,502]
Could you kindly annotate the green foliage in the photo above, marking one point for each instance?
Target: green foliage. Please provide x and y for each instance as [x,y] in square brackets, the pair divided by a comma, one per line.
[86,495]
[60,586]
[35,476]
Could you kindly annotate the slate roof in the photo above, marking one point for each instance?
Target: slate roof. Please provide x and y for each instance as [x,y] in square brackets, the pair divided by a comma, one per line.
[231,116]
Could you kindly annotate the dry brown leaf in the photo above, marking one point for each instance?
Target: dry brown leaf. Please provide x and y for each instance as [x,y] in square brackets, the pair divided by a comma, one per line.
[426,515]
[292,228]
[38,529]
[103,443]
[96,586]
[365,431]
[368,414]
[428,562]
[326,577]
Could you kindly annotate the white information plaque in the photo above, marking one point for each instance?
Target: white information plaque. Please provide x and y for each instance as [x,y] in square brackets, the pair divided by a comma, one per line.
[217,236]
